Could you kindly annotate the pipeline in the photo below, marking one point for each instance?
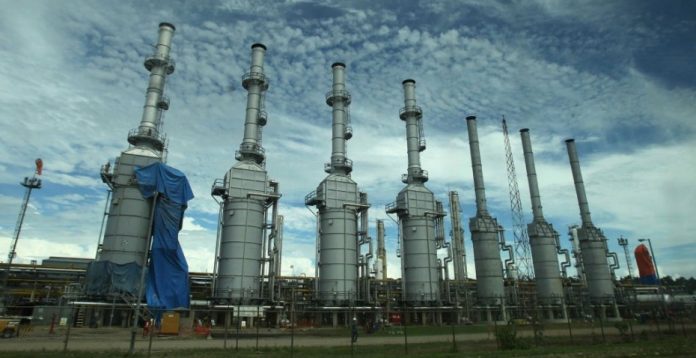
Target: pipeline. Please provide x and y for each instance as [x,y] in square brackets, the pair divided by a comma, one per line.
[565,263]
[510,261]
[614,266]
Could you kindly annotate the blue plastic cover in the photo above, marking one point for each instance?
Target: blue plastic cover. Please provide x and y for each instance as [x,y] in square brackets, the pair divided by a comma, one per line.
[167,281]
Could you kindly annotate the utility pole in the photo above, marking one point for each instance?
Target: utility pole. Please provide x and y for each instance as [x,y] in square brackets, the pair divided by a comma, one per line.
[31,184]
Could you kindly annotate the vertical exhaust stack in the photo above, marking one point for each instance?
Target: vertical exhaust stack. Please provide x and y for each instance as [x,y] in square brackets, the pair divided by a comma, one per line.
[593,244]
[458,248]
[342,210]
[542,236]
[418,213]
[250,202]
[484,233]
[381,263]
[127,226]
[160,66]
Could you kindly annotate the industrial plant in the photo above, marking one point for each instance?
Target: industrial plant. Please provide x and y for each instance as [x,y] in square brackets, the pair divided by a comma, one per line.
[351,281]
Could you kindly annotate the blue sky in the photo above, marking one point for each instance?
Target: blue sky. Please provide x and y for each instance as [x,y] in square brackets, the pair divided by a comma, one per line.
[617,76]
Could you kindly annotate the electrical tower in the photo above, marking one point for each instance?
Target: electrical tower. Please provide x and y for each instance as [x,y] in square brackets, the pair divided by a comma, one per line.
[519,230]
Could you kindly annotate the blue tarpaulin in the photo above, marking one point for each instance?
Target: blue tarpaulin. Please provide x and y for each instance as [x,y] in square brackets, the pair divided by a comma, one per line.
[167,279]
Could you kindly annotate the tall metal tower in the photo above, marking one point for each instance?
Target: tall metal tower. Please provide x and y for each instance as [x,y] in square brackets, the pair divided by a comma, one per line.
[249,216]
[420,215]
[30,184]
[623,242]
[519,230]
[128,224]
[341,210]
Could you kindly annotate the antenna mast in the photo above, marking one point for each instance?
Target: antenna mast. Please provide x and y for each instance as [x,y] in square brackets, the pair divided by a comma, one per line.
[519,230]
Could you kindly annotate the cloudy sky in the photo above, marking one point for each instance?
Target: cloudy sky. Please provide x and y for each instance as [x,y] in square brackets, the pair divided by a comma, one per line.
[617,76]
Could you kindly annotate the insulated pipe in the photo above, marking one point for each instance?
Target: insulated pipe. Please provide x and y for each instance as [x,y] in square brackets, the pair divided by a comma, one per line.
[255,83]
[531,175]
[159,65]
[412,114]
[579,185]
[480,192]
[338,99]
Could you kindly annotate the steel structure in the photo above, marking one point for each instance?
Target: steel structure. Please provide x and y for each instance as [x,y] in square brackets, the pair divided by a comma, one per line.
[525,268]
[381,262]
[342,210]
[543,238]
[577,256]
[593,243]
[457,234]
[420,215]
[485,233]
[623,242]
[30,184]
[249,214]
[125,236]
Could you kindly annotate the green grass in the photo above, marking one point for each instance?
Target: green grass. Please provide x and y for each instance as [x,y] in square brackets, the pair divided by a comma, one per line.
[662,346]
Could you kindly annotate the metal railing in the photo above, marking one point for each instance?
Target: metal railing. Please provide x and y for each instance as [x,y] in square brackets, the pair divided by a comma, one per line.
[258,77]
[332,95]
[405,111]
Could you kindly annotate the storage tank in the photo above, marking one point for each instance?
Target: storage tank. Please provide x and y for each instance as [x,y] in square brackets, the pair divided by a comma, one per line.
[543,238]
[127,226]
[341,207]
[249,202]
[417,210]
[593,243]
[646,269]
[484,233]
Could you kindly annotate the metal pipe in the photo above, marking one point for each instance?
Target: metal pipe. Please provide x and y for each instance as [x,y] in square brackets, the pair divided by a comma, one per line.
[579,185]
[479,188]
[531,175]
[143,271]
[510,261]
[160,65]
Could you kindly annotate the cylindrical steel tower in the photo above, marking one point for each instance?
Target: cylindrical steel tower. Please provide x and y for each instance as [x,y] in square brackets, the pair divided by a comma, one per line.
[593,244]
[484,233]
[458,248]
[418,211]
[125,236]
[248,195]
[381,263]
[544,240]
[341,207]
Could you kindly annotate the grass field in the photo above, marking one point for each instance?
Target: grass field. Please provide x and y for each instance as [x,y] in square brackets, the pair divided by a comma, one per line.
[671,346]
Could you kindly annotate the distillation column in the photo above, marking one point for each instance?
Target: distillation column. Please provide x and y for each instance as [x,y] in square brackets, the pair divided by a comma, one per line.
[417,210]
[381,262]
[342,208]
[458,248]
[248,196]
[593,243]
[484,235]
[543,239]
[127,226]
